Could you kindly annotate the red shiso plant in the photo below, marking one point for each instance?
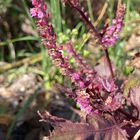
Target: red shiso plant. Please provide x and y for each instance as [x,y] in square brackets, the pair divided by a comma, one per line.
[99,97]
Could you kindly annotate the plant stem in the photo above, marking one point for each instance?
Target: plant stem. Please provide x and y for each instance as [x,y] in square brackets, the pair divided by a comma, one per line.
[89,23]
[109,63]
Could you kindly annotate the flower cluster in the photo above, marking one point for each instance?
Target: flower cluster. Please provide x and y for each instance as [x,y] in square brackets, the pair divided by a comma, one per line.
[38,10]
[45,30]
[84,101]
[49,40]
[88,84]
[110,34]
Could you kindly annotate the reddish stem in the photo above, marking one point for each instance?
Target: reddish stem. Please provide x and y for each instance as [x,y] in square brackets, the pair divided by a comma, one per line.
[109,63]
[87,21]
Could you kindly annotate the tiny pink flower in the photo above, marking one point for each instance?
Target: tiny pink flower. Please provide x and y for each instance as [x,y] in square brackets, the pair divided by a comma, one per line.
[33,12]
[83,101]
[89,109]
[81,84]
[114,21]
[33,2]
[40,14]
[76,76]
[41,22]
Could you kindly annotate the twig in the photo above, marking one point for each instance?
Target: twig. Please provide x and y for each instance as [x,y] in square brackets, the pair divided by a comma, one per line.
[133,21]
[137,135]
[119,3]
[101,14]
[30,60]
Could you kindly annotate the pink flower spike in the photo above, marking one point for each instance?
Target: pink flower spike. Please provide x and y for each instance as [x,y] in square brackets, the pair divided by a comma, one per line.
[108,37]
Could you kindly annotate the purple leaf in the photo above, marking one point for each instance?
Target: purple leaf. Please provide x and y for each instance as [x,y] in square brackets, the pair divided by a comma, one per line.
[107,128]
[67,130]
[103,69]
[115,133]
[135,97]
[99,122]
[96,128]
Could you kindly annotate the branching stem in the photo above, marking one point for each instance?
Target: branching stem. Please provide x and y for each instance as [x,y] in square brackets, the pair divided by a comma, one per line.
[97,36]
[88,22]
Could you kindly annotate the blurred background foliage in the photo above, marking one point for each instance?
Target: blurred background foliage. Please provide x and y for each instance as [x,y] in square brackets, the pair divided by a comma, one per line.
[21,51]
